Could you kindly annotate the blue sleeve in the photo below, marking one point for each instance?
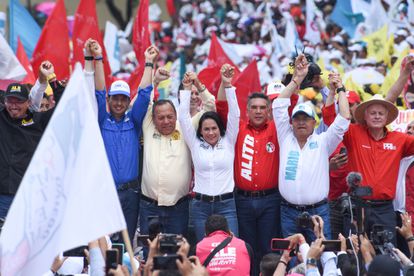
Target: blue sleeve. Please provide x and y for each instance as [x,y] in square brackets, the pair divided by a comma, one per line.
[140,107]
[101,100]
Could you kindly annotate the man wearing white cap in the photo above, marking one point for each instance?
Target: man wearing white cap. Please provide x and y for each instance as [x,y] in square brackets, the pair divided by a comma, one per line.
[121,130]
[304,155]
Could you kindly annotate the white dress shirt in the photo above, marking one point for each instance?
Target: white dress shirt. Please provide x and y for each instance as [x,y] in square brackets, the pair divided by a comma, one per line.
[213,166]
[400,194]
[304,172]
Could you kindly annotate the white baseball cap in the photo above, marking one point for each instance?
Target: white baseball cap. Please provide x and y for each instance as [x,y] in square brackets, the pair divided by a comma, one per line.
[274,89]
[119,87]
[303,108]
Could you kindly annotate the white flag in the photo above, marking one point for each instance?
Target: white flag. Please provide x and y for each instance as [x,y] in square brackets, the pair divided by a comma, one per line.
[10,67]
[111,43]
[67,196]
[312,30]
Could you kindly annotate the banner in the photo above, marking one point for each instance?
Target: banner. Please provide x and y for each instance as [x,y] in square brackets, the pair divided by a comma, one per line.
[67,197]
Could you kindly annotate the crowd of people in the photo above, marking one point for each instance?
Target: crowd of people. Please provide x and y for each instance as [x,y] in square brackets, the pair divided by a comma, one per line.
[319,170]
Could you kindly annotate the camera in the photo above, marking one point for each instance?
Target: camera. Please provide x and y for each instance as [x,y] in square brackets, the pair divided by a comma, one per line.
[380,236]
[169,243]
[166,262]
[304,220]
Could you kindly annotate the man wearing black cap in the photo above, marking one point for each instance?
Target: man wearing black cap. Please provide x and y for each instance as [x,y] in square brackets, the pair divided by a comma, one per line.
[20,133]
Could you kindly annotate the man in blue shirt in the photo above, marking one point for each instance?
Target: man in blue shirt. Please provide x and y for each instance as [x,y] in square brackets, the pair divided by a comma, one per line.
[121,129]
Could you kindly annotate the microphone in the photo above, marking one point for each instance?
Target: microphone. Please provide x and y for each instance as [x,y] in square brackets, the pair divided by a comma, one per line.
[353,179]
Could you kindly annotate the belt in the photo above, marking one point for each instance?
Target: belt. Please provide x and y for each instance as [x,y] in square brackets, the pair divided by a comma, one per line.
[128,185]
[261,193]
[150,200]
[378,203]
[305,207]
[207,198]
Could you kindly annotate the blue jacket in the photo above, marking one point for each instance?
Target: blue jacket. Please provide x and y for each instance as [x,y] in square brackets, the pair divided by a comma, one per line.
[121,138]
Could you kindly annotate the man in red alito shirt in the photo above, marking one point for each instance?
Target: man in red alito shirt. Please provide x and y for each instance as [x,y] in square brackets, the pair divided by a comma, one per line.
[256,170]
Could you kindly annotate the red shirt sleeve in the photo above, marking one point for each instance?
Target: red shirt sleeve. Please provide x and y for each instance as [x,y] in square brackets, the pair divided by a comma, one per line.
[293,101]
[328,114]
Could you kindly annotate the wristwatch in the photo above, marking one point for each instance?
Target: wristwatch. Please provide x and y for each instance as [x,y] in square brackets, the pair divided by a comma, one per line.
[340,89]
[311,261]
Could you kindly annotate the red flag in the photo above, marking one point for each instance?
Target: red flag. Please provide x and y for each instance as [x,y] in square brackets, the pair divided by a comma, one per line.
[210,76]
[171,7]
[140,42]
[86,26]
[24,60]
[53,44]
[246,83]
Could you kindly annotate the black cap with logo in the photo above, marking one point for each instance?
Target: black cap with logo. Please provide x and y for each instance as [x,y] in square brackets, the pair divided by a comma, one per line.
[17,90]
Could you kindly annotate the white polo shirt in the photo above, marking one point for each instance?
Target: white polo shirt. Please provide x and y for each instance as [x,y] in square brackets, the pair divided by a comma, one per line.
[304,173]
[213,166]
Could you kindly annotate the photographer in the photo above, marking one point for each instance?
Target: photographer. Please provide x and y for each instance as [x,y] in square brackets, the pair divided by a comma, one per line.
[304,156]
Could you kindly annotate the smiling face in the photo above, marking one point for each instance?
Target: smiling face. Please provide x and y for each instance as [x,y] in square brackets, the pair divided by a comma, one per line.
[376,116]
[303,126]
[164,118]
[118,105]
[17,108]
[210,131]
[258,112]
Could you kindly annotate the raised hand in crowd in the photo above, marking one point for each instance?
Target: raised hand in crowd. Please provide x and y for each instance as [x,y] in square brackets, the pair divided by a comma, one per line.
[197,83]
[121,270]
[406,231]
[227,73]
[354,241]
[283,263]
[187,82]
[301,69]
[318,227]
[45,70]
[191,267]
[160,75]
[151,54]
[95,48]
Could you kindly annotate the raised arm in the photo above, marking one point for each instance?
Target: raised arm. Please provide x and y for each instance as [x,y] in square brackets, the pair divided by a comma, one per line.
[405,73]
[89,70]
[336,83]
[96,51]
[299,74]
[151,55]
[208,100]
[184,115]
[221,95]
[233,117]
[37,91]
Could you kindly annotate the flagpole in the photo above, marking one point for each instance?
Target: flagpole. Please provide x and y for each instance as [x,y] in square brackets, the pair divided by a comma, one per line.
[125,237]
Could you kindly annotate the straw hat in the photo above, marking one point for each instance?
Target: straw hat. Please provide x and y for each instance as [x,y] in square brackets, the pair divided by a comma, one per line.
[376,99]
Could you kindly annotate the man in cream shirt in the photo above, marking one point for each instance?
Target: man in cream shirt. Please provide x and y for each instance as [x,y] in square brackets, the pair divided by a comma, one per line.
[166,175]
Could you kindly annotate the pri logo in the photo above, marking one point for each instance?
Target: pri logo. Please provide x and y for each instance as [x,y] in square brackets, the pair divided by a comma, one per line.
[270,147]
[389,146]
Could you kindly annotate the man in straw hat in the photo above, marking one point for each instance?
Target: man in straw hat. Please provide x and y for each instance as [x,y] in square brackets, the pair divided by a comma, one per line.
[375,152]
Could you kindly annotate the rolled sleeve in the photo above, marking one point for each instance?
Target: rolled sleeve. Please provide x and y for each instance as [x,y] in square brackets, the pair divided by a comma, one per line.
[281,117]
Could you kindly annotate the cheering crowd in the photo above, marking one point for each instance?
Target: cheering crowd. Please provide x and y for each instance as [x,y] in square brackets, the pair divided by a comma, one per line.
[310,180]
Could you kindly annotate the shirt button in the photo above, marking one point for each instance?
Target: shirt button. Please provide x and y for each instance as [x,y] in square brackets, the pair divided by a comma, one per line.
[255,185]
[255,151]
[255,174]
[257,163]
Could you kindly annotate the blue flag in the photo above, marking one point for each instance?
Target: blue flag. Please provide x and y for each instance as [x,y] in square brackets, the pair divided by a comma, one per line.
[22,24]
[343,16]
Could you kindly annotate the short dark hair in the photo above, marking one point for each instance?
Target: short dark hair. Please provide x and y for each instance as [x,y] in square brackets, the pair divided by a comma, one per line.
[258,95]
[269,263]
[216,222]
[213,116]
[162,102]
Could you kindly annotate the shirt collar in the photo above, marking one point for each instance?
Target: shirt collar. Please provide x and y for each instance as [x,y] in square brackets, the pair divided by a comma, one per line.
[258,128]
[206,145]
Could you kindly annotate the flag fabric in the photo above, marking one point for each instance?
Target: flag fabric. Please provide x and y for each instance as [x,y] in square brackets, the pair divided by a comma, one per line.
[344,16]
[86,26]
[22,24]
[376,43]
[377,16]
[394,73]
[3,24]
[312,30]
[111,43]
[63,202]
[24,61]
[246,83]
[291,34]
[210,76]
[10,68]
[140,42]
[53,44]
